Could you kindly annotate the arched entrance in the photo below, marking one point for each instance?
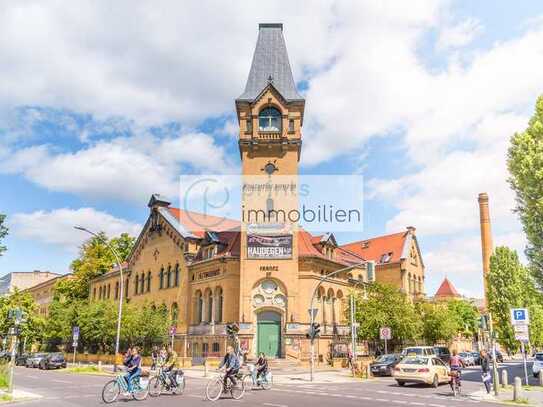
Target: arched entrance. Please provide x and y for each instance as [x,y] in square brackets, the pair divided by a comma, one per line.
[269,333]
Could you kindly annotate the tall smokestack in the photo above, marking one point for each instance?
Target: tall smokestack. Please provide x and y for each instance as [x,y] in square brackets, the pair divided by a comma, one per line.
[486,237]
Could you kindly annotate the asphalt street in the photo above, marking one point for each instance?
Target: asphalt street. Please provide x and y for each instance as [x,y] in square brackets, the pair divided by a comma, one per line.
[58,388]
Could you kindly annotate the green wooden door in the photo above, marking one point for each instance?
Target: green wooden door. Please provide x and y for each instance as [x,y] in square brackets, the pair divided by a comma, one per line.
[269,338]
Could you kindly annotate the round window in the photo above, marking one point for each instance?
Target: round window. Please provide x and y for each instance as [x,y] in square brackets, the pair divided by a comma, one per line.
[279,300]
[269,286]
[258,299]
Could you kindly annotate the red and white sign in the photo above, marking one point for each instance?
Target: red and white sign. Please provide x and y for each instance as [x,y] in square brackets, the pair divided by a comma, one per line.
[173,330]
[385,333]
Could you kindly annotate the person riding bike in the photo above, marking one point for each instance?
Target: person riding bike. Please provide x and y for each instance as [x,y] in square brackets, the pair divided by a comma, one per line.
[231,363]
[261,366]
[455,363]
[154,358]
[133,368]
[170,364]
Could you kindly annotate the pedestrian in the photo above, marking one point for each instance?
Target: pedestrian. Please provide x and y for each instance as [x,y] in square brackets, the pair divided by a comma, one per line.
[163,355]
[127,356]
[485,368]
[154,357]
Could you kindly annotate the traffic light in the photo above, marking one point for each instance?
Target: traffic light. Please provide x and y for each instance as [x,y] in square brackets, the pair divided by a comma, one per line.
[314,331]
[232,329]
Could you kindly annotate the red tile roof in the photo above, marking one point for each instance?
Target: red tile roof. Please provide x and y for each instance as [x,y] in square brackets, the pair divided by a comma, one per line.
[373,249]
[198,223]
[446,290]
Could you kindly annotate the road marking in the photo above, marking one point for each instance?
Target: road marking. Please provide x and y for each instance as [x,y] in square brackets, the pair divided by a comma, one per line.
[383,400]
[62,381]
[274,405]
[416,403]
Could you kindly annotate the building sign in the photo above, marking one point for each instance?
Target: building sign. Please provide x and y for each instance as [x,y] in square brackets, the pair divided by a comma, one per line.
[269,268]
[269,247]
[208,274]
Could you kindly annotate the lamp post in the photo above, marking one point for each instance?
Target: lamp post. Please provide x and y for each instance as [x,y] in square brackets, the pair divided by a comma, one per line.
[312,314]
[121,290]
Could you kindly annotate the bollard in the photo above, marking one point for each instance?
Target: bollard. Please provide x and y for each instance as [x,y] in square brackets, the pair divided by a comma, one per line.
[504,378]
[517,389]
[368,371]
[100,365]
[205,367]
[540,375]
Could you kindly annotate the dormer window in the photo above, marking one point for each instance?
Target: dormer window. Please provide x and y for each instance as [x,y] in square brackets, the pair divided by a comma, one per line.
[385,258]
[269,119]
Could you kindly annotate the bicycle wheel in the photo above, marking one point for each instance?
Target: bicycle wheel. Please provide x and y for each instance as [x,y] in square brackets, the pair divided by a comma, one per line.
[267,382]
[238,390]
[214,389]
[180,388]
[155,386]
[139,390]
[111,391]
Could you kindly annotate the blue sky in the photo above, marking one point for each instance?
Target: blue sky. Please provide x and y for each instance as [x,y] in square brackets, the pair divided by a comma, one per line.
[420,98]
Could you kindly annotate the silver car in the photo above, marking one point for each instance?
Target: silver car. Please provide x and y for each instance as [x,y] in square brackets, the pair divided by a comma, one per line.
[35,359]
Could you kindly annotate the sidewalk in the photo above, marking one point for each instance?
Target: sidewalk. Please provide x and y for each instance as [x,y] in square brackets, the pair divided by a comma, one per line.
[532,395]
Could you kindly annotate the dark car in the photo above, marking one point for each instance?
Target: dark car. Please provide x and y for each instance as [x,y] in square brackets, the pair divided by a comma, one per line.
[476,358]
[443,353]
[384,365]
[53,361]
[20,360]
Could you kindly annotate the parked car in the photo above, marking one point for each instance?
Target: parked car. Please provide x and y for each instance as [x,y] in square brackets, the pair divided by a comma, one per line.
[34,359]
[418,351]
[384,365]
[476,358]
[443,353]
[53,361]
[499,356]
[467,359]
[537,366]
[20,360]
[421,369]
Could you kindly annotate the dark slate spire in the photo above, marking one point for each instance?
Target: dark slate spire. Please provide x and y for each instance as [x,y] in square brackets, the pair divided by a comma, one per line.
[270,66]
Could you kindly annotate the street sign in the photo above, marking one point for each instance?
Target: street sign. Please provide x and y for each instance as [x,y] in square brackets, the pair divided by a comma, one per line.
[520,316]
[522,336]
[75,333]
[385,333]
[315,311]
[521,328]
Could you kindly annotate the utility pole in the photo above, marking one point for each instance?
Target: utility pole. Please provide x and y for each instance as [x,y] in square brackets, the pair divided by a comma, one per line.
[17,315]
[494,361]
[353,332]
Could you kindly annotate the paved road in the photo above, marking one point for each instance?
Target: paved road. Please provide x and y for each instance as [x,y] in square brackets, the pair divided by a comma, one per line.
[64,390]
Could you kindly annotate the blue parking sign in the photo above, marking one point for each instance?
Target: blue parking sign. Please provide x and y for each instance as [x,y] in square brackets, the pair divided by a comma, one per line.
[519,316]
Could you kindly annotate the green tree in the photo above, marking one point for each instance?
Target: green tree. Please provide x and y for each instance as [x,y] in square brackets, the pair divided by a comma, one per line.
[510,285]
[3,233]
[385,305]
[525,163]
[95,259]
[33,324]
[439,324]
[63,315]
[465,315]
[97,322]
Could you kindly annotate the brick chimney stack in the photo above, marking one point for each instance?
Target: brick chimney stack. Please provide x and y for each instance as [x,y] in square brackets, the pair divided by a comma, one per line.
[486,237]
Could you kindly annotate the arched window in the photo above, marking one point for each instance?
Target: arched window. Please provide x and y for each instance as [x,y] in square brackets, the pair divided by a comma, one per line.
[269,119]
[137,285]
[116,290]
[176,275]
[100,293]
[161,278]
[108,290]
[142,280]
[209,306]
[169,279]
[149,281]
[175,314]
[218,304]
[199,307]
[215,348]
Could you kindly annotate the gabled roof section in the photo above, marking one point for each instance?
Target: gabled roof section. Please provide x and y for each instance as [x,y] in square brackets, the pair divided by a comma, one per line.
[373,249]
[446,290]
[270,66]
[198,224]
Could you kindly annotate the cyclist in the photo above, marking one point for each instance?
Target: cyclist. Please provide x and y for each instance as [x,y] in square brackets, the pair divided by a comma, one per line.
[231,364]
[261,366]
[133,368]
[455,364]
[170,364]
[154,357]
[127,356]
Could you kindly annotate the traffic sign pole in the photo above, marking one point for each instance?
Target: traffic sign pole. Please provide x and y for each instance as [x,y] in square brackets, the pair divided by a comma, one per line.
[524,359]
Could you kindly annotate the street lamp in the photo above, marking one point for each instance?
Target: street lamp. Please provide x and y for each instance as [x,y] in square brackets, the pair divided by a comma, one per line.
[121,289]
[312,314]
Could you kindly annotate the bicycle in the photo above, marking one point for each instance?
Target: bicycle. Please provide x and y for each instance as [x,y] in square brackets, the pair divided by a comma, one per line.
[162,381]
[455,382]
[113,388]
[216,387]
[264,382]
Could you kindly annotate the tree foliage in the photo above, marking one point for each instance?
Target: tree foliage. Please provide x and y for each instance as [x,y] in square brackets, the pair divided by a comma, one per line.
[385,305]
[95,258]
[510,285]
[525,163]
[32,326]
[3,233]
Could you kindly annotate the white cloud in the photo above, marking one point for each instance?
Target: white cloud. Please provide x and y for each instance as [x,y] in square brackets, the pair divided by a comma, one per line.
[56,227]
[460,34]
[129,169]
